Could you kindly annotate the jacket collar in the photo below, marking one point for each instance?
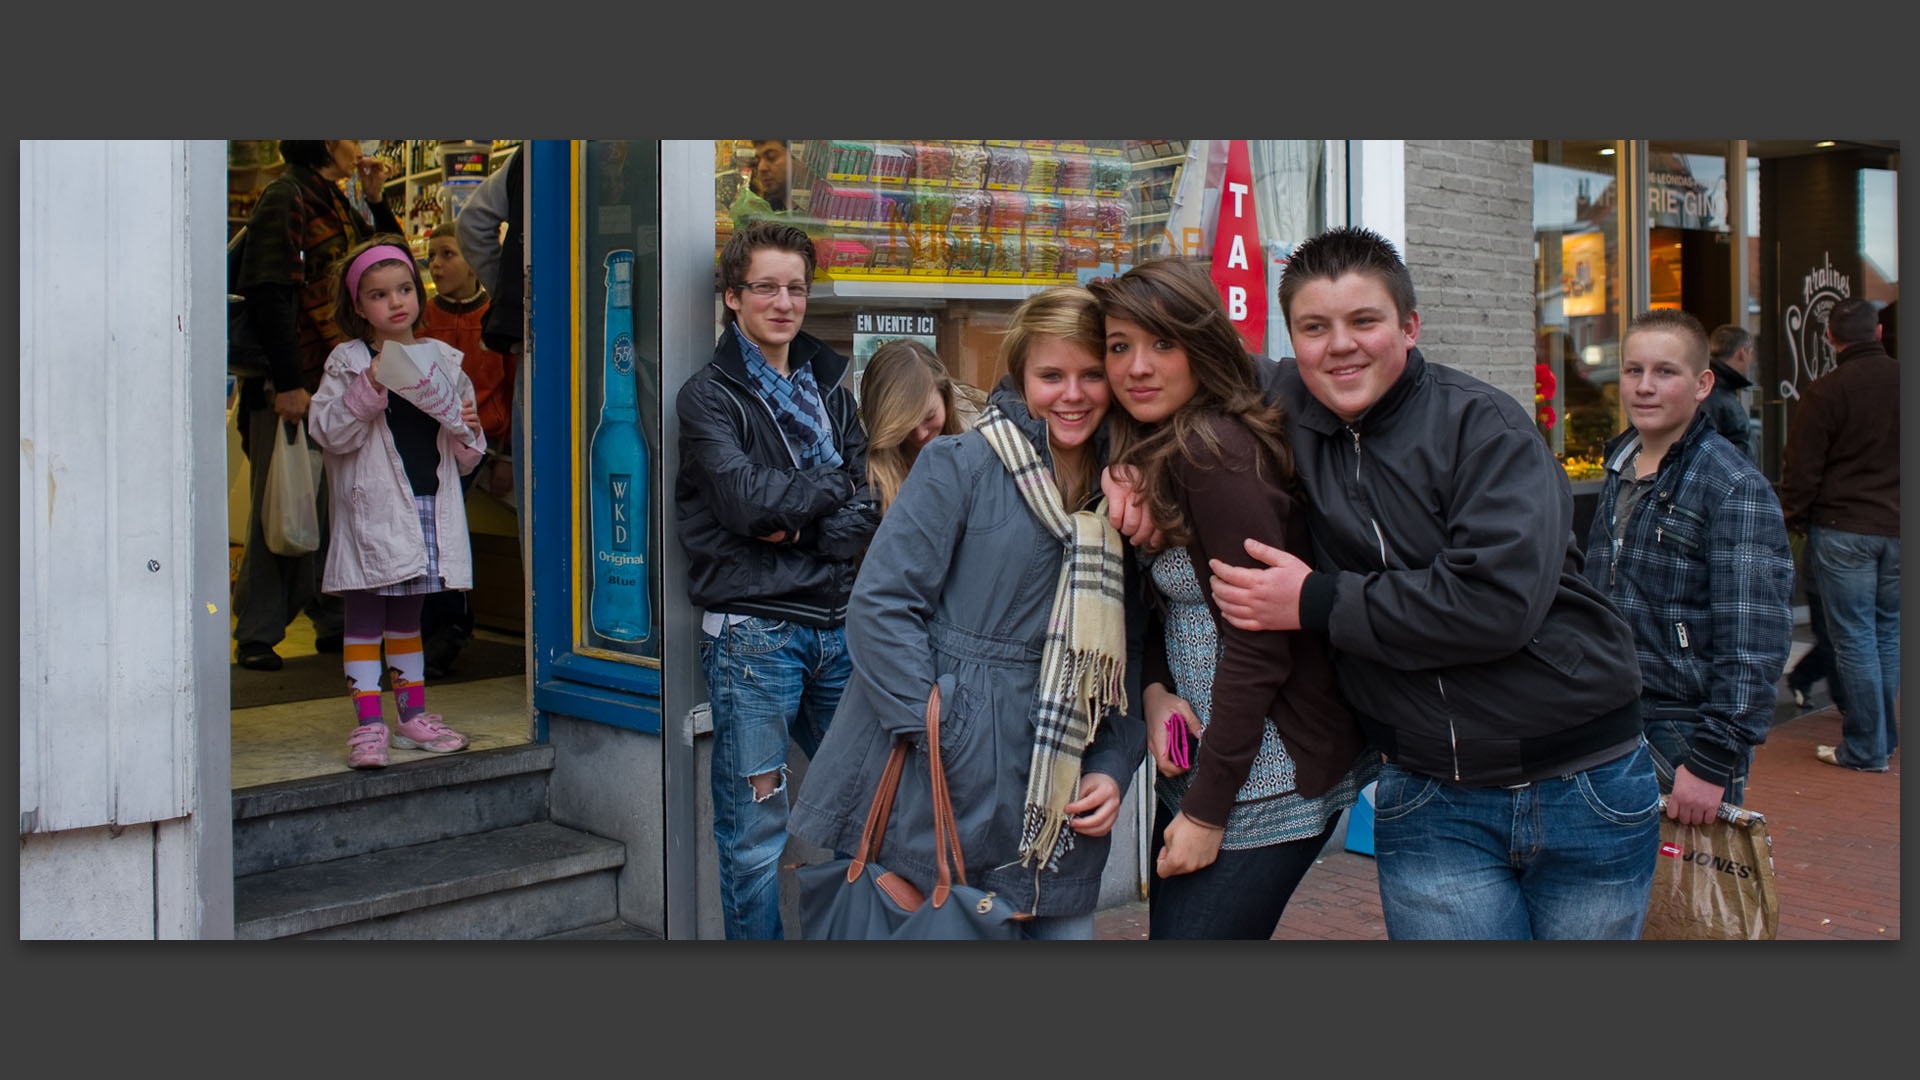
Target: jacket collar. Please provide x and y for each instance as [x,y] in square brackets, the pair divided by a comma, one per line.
[1860,348]
[1724,376]
[829,367]
[1317,417]
[1007,399]
[1621,448]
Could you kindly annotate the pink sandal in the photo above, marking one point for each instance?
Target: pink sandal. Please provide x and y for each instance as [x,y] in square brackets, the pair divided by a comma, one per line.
[427,732]
[367,747]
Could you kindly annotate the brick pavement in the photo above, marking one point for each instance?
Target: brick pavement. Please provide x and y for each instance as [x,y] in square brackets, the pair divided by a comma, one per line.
[1836,852]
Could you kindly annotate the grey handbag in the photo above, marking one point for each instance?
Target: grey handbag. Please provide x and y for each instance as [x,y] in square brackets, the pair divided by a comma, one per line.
[857,899]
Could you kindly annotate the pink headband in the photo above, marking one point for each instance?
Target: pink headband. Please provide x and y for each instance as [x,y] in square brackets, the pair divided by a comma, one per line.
[370,256]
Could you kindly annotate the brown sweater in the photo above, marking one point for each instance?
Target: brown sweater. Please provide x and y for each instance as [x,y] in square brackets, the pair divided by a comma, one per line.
[1842,468]
[1283,675]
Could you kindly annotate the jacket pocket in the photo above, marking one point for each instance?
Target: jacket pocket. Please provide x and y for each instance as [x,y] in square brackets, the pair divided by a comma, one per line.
[1682,528]
[1555,651]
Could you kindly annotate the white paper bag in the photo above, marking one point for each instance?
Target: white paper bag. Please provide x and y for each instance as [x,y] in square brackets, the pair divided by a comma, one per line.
[416,372]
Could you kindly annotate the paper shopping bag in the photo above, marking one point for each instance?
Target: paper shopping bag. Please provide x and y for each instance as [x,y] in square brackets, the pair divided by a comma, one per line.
[1714,881]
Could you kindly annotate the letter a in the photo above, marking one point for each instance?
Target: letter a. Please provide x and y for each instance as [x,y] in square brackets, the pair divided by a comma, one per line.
[1237,258]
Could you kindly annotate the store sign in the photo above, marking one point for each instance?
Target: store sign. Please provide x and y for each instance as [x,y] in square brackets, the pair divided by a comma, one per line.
[1812,354]
[1687,191]
[872,329]
[1239,267]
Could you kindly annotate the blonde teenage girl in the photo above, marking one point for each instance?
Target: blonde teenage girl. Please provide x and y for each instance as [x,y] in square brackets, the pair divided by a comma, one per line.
[906,398]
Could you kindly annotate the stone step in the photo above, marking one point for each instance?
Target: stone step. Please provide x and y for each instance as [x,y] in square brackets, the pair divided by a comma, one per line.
[297,822]
[612,930]
[521,882]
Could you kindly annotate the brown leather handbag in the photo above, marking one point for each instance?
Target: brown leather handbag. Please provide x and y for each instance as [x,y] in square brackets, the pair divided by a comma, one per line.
[857,899]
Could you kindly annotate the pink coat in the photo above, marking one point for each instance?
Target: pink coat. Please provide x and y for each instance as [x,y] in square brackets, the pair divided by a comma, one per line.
[375,537]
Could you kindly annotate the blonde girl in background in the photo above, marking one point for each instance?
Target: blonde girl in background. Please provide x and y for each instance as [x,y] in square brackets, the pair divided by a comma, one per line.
[399,529]
[907,398]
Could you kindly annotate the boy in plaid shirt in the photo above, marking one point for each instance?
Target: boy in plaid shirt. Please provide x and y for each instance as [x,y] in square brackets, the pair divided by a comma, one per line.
[1689,544]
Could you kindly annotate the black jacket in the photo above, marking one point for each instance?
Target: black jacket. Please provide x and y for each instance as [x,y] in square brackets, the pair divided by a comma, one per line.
[1724,410]
[739,481]
[1467,640]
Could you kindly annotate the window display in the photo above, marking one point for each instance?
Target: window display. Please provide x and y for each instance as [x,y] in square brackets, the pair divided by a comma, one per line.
[616,408]
[952,233]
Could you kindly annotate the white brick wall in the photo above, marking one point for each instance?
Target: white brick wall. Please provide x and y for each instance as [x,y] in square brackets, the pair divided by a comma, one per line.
[1469,207]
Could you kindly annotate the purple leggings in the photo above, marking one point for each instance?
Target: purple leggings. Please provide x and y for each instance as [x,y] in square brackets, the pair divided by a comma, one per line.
[370,615]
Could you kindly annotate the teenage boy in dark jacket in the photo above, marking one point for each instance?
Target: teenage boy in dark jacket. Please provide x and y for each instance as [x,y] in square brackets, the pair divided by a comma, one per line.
[1689,544]
[1518,799]
[773,511]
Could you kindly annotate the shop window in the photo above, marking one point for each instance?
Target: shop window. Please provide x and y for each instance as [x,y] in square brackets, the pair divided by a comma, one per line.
[939,239]
[597,432]
[1577,302]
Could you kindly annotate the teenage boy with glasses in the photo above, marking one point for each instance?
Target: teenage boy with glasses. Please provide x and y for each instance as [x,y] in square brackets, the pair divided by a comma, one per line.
[773,512]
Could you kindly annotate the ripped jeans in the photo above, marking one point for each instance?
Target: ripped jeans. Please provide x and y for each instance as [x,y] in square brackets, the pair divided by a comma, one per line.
[766,680]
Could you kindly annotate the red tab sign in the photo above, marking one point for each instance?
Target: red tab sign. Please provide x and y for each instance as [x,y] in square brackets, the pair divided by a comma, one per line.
[1239,269]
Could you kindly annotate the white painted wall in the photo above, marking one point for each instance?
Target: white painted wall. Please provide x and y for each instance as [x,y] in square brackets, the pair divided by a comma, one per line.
[123,597]
[1379,169]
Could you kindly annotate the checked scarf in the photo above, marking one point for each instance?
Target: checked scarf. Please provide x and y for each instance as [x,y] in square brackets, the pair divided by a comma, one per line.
[1084,659]
[797,406]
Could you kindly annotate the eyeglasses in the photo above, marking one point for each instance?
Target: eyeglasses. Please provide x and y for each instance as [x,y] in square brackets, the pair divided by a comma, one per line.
[767,290]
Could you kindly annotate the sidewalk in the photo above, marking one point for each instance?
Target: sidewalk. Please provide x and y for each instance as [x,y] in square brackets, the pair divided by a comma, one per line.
[1836,851]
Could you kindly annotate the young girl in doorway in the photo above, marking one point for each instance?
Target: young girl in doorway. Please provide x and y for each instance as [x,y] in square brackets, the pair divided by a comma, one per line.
[399,527]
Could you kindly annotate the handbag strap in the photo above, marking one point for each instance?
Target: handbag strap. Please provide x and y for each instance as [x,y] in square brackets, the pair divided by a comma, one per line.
[877,814]
[946,832]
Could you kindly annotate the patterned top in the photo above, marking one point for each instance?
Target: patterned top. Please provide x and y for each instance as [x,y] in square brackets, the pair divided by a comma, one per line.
[1267,810]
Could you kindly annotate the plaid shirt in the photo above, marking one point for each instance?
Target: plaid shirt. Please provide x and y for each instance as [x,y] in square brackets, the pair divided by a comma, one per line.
[1704,576]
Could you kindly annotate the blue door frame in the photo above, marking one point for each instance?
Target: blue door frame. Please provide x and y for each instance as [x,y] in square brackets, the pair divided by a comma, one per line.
[565,682]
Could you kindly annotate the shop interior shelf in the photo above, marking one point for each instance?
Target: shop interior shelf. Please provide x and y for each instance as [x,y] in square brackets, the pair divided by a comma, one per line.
[917,288]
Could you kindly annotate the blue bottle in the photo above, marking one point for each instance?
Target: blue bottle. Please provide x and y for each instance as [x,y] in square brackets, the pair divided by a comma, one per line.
[619,609]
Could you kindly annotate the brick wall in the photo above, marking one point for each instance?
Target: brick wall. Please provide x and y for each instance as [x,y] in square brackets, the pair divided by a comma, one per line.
[1470,246]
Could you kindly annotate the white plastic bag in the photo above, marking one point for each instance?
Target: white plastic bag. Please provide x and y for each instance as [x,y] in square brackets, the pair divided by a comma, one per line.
[288,514]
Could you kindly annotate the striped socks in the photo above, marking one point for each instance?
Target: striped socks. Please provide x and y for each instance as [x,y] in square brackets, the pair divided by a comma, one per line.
[395,620]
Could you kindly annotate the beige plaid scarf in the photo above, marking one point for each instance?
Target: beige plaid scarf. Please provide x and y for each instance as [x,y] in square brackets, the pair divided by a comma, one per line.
[1083,662]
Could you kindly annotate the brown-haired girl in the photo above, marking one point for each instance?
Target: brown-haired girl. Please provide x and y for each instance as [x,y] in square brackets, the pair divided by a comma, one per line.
[399,528]
[1241,817]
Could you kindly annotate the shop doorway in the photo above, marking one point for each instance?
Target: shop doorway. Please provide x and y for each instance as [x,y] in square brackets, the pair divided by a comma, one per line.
[291,722]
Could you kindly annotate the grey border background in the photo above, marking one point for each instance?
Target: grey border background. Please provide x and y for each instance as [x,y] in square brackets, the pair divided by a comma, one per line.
[1505,70]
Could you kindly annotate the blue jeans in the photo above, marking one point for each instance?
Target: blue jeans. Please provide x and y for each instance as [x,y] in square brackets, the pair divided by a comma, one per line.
[1670,737]
[1239,896]
[1860,585]
[767,680]
[1567,857]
